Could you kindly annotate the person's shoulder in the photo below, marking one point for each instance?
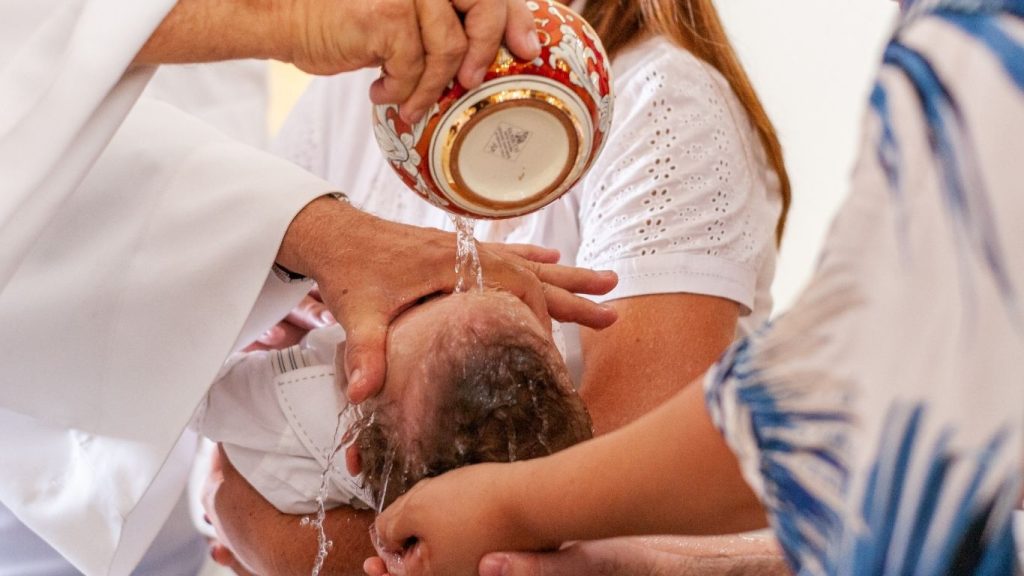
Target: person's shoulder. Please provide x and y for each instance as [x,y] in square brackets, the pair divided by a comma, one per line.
[960,48]
[657,68]
[997,24]
[914,10]
[655,56]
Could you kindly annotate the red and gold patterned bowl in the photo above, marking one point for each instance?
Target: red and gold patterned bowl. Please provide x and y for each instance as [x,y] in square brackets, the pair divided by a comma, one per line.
[519,140]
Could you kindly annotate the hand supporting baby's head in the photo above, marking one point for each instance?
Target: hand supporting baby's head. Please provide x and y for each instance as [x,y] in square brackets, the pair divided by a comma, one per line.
[484,384]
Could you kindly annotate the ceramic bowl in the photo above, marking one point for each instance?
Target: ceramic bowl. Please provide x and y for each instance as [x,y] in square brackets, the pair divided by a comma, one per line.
[518,141]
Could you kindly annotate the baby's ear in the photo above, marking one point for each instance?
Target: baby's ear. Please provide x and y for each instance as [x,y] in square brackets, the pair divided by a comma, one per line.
[352,460]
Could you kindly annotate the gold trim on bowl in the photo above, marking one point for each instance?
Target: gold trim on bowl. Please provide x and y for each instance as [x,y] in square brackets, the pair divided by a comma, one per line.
[452,142]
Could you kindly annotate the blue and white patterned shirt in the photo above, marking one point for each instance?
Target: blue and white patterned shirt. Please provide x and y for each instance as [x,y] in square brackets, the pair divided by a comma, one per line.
[882,420]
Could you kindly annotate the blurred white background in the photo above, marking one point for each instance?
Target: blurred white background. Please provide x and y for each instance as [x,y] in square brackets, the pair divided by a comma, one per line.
[812,62]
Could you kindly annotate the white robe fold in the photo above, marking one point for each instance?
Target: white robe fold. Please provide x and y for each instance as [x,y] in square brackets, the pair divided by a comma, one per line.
[63,92]
[140,248]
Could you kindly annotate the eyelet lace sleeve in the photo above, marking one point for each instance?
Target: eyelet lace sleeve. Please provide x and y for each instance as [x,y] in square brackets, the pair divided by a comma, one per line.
[681,199]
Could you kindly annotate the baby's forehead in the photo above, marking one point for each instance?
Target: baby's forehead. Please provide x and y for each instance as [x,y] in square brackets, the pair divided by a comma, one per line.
[462,307]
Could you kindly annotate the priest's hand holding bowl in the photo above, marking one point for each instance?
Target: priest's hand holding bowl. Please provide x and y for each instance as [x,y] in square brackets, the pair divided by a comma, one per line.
[420,46]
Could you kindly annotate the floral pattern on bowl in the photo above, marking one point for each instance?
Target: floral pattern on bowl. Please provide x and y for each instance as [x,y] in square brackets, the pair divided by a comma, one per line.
[522,138]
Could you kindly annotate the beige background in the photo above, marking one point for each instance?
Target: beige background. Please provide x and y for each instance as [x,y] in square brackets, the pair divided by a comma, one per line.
[286,85]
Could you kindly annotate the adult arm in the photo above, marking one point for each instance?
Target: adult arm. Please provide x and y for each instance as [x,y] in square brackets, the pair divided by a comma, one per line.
[420,46]
[256,537]
[658,343]
[739,555]
[591,491]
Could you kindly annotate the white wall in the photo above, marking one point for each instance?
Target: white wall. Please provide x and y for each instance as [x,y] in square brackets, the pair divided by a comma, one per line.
[812,62]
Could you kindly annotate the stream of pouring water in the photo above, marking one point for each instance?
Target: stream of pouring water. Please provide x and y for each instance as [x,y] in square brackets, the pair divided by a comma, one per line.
[468,273]
[324,545]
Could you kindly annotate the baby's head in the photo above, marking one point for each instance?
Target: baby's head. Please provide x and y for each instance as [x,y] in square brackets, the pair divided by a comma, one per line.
[472,378]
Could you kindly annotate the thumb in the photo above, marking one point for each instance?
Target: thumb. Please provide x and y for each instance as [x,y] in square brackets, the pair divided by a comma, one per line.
[566,561]
[365,365]
[390,532]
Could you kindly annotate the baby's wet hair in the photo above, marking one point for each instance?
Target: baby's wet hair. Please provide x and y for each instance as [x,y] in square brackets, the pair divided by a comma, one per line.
[499,395]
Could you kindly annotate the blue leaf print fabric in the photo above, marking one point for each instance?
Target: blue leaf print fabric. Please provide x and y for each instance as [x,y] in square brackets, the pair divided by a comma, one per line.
[881,420]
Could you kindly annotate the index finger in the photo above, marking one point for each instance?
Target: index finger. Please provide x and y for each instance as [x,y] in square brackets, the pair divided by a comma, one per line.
[577,280]
[521,31]
[521,282]
[403,62]
[444,44]
[562,283]
[527,251]
[485,26]
[391,549]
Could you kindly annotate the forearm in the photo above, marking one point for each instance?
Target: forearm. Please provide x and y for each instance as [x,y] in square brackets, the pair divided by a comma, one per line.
[288,547]
[270,542]
[349,532]
[214,30]
[728,555]
[668,473]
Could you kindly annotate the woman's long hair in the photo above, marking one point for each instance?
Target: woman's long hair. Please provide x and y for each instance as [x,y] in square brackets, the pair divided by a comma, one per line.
[694,25]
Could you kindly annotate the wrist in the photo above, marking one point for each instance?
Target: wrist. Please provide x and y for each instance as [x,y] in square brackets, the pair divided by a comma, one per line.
[278,21]
[300,38]
[315,236]
[266,28]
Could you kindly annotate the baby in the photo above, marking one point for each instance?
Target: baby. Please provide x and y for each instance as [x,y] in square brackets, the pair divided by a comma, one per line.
[472,377]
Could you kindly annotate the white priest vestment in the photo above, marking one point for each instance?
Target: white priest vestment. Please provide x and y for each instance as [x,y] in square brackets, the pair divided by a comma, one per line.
[138,242]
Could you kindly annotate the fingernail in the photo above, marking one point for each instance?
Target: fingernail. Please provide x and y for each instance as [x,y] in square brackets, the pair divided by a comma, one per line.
[272,334]
[354,381]
[478,76]
[535,42]
[495,565]
[410,116]
[327,318]
[216,556]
